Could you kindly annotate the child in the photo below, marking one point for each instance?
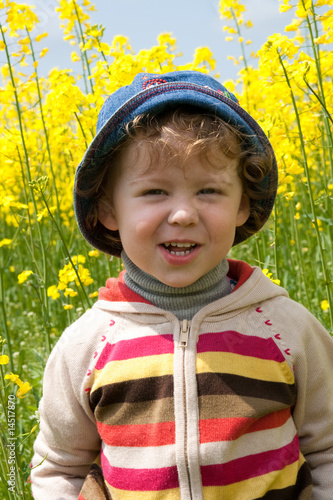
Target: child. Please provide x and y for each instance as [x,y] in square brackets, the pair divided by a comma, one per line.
[193,376]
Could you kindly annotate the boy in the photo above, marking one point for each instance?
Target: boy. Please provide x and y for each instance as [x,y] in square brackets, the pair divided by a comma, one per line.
[192,377]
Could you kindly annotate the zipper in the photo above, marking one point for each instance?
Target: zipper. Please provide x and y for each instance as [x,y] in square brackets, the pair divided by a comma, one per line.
[184,331]
[183,341]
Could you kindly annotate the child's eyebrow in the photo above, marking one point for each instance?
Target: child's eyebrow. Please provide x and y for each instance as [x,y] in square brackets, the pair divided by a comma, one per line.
[225,180]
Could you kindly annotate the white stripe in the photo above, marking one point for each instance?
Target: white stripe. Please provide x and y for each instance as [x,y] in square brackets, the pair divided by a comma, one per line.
[250,444]
[143,457]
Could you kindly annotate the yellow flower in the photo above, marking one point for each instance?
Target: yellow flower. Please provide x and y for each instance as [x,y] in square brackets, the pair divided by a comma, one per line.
[4,242]
[43,52]
[24,276]
[69,37]
[322,39]
[294,25]
[67,307]
[70,292]
[325,305]
[75,57]
[78,259]
[24,387]
[39,37]
[52,292]
[93,295]
[93,253]
[20,17]
[12,377]
[294,168]
[4,359]
[285,8]
[269,275]
[230,30]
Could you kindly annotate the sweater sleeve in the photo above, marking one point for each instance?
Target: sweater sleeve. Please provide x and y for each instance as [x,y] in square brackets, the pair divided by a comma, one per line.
[311,348]
[68,441]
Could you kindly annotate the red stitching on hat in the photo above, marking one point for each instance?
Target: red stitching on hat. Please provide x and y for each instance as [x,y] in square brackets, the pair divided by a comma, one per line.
[153,83]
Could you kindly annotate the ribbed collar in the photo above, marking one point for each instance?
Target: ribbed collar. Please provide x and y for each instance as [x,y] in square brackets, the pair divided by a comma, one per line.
[184,302]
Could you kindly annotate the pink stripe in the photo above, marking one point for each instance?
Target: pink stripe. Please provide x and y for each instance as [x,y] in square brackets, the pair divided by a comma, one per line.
[136,348]
[139,479]
[250,466]
[231,341]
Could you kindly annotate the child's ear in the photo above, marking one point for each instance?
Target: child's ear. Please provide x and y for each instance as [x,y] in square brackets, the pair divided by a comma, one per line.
[106,216]
[243,210]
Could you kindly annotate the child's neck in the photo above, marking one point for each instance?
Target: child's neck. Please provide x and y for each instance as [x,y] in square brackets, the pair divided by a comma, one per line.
[184,302]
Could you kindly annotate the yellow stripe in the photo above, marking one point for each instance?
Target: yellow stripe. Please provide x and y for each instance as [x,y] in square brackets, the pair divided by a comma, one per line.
[172,494]
[256,486]
[246,366]
[134,368]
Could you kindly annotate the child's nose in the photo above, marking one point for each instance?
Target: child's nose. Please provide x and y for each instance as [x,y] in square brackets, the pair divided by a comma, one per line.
[184,214]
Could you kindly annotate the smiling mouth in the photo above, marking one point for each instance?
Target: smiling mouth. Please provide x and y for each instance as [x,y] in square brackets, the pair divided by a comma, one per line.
[179,248]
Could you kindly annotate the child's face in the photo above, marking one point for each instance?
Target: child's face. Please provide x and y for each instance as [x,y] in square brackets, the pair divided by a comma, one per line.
[176,222]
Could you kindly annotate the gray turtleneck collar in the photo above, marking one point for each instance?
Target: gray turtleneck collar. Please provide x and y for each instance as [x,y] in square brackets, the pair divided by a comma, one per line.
[184,302]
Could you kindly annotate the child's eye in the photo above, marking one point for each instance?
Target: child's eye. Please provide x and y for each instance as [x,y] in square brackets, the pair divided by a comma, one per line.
[209,191]
[153,192]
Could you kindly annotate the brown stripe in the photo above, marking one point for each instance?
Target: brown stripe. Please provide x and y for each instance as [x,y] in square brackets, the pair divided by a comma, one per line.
[146,412]
[232,406]
[133,391]
[94,485]
[300,491]
[227,384]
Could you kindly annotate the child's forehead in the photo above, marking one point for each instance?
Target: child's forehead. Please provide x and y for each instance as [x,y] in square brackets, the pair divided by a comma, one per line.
[145,156]
[142,160]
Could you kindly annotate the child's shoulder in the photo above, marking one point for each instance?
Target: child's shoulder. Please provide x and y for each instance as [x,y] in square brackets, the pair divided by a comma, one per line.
[83,334]
[292,313]
[299,330]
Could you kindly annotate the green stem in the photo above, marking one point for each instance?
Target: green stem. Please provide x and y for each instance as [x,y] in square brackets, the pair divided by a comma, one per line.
[243,54]
[5,322]
[44,127]
[82,129]
[83,52]
[275,248]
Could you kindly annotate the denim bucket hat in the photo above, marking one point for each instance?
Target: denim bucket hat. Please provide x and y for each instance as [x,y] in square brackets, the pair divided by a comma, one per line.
[153,94]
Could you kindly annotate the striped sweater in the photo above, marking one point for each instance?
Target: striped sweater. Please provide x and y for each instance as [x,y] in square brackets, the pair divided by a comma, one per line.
[227,406]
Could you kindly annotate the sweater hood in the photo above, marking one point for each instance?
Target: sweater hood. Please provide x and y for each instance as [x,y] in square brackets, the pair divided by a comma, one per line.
[252,287]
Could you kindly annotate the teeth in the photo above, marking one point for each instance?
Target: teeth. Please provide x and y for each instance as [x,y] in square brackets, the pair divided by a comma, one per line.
[180,245]
[180,253]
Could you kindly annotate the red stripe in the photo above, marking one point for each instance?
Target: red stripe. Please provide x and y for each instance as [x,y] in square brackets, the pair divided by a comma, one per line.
[231,341]
[228,429]
[140,479]
[250,466]
[138,435]
[136,348]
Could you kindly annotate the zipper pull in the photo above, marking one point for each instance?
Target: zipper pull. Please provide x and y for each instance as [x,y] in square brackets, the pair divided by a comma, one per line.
[184,331]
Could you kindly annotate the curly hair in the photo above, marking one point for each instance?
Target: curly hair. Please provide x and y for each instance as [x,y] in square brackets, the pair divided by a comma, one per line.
[198,133]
